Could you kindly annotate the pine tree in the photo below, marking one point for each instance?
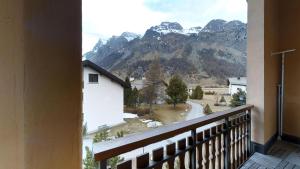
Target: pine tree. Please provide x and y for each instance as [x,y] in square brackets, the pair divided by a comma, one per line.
[127,92]
[89,161]
[222,100]
[177,91]
[238,99]
[207,109]
[197,93]
[135,97]
[103,136]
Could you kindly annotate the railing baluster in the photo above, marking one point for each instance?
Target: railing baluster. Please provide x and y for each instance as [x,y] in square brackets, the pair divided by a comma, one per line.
[171,148]
[213,132]
[236,143]
[227,144]
[245,136]
[241,157]
[192,152]
[157,156]
[199,147]
[223,147]
[242,139]
[181,147]
[190,143]
[219,146]
[142,161]
[193,156]
[233,166]
[249,132]
[206,156]
[125,165]
[239,162]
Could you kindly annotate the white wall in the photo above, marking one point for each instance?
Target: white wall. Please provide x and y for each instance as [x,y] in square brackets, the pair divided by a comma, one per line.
[102,102]
[234,89]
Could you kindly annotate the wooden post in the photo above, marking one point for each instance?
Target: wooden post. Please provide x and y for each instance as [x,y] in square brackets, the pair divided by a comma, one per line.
[249,133]
[227,144]
[193,156]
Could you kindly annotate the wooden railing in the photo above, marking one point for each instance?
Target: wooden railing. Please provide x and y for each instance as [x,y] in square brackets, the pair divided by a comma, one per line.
[225,145]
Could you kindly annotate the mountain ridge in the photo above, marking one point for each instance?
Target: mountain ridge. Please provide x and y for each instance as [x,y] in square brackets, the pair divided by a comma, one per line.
[215,52]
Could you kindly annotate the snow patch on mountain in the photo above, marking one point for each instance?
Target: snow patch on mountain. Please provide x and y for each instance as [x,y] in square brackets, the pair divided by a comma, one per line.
[193,30]
[167,27]
[174,27]
[130,36]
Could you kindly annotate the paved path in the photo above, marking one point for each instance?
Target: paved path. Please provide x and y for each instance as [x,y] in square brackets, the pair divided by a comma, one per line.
[196,111]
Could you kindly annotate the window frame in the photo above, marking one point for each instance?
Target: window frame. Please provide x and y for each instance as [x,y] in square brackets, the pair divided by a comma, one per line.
[90,78]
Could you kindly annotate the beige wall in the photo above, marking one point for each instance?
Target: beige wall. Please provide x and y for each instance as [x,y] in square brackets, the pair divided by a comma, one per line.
[11,86]
[273,26]
[272,67]
[262,69]
[40,87]
[290,38]
[255,67]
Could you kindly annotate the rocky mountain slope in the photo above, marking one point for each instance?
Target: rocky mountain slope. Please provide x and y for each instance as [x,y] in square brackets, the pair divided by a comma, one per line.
[210,54]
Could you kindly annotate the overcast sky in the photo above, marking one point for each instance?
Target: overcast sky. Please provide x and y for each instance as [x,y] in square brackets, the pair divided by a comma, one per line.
[104,18]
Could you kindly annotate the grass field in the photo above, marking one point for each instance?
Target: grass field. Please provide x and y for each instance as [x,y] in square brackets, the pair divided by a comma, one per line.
[163,113]
[211,99]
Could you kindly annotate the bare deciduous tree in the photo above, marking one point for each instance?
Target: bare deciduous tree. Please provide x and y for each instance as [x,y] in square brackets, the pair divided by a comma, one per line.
[154,78]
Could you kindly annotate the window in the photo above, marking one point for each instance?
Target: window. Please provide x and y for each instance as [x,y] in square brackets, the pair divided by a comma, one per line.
[93,78]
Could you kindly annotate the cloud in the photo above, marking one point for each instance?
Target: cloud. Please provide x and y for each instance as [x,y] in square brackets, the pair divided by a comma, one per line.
[200,12]
[104,18]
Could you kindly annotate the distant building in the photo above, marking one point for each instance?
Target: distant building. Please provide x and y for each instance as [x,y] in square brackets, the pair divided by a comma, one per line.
[102,97]
[161,94]
[139,84]
[236,83]
[191,87]
[131,79]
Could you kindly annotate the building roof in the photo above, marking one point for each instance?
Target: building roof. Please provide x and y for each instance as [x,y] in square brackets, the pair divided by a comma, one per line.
[87,63]
[242,81]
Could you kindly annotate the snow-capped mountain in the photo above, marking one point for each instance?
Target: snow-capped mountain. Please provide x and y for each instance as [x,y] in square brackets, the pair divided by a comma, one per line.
[219,25]
[216,25]
[168,27]
[193,30]
[130,36]
[216,51]
[174,27]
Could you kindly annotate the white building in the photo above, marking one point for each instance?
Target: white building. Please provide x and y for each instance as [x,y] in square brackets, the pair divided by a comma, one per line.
[236,83]
[102,97]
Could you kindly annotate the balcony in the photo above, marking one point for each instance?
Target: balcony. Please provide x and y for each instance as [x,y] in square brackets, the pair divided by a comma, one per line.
[219,140]
[281,155]
[41,92]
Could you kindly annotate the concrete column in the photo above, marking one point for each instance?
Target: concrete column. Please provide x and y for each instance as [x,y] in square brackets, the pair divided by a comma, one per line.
[255,67]
[263,70]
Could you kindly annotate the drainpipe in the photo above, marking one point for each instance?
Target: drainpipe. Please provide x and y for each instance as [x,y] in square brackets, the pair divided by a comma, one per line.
[281,92]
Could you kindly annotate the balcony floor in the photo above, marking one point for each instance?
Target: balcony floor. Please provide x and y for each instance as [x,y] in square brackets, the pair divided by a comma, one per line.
[282,155]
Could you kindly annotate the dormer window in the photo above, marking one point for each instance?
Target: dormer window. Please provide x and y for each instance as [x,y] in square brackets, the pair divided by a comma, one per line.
[93,78]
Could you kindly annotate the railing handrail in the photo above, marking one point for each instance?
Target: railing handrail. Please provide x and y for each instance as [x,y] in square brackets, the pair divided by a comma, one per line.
[125,144]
